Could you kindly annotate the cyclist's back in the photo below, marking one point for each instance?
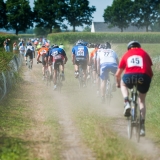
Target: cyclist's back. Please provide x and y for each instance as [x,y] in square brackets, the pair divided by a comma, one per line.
[136,64]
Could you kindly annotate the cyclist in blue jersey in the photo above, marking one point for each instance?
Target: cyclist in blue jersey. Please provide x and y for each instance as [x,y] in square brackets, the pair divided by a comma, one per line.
[80,55]
[57,55]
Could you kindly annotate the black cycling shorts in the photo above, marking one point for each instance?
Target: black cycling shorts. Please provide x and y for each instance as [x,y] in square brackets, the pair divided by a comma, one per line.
[57,63]
[82,61]
[43,59]
[141,80]
[30,54]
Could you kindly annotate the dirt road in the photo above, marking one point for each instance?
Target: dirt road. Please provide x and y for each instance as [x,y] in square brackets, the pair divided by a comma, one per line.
[73,147]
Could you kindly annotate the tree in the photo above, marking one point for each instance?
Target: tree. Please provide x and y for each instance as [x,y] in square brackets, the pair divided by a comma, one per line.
[119,14]
[145,13]
[19,15]
[87,29]
[79,13]
[3,18]
[49,13]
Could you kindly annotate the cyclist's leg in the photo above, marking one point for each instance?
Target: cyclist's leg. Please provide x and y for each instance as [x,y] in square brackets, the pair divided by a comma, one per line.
[76,68]
[126,83]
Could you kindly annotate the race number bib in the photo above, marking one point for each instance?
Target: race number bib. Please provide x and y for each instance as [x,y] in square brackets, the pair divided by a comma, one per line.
[55,53]
[135,61]
[80,52]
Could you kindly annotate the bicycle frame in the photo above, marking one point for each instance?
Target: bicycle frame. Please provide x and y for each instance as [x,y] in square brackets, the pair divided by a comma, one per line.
[108,89]
[134,119]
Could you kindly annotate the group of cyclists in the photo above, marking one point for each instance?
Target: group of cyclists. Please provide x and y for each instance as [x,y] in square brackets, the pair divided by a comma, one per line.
[135,65]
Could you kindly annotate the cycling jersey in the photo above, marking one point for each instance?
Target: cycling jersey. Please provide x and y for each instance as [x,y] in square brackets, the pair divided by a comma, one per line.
[80,51]
[57,53]
[93,53]
[43,51]
[136,61]
[107,56]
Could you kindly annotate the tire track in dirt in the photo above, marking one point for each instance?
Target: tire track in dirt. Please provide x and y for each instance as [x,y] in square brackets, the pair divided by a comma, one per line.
[74,148]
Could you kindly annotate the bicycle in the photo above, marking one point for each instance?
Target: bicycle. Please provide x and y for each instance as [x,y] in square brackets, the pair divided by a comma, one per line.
[29,62]
[109,89]
[91,79]
[135,118]
[81,76]
[47,76]
[59,77]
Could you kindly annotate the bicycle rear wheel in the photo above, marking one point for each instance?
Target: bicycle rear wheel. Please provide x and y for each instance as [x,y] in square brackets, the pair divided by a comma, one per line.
[47,75]
[138,125]
[108,92]
[130,127]
[80,77]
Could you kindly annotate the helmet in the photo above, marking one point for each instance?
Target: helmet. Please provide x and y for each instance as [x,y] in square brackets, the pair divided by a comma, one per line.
[30,44]
[102,46]
[80,42]
[133,44]
[55,46]
[43,45]
[108,45]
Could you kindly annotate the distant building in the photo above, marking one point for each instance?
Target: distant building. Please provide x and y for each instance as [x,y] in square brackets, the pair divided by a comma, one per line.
[104,27]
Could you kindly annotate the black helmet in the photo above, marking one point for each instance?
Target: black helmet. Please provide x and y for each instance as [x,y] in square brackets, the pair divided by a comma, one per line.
[80,42]
[133,44]
[30,44]
[108,45]
[55,46]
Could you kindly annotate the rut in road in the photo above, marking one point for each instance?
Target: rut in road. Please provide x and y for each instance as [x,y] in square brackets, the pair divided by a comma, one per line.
[74,148]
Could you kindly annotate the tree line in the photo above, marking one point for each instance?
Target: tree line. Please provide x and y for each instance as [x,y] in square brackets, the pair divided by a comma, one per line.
[54,15]
[140,13]
[47,15]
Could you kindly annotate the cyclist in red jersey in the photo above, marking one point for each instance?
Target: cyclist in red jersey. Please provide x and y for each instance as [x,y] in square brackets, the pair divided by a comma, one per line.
[136,64]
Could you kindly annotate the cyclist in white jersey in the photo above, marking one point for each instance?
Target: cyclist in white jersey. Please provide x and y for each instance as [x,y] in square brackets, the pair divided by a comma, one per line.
[107,61]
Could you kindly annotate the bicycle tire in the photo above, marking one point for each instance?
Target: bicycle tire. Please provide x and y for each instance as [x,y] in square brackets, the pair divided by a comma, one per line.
[59,80]
[80,77]
[108,91]
[130,127]
[48,81]
[138,126]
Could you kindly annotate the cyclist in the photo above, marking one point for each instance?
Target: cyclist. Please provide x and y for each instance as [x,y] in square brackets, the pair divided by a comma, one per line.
[57,55]
[29,52]
[80,55]
[43,52]
[92,57]
[107,61]
[136,64]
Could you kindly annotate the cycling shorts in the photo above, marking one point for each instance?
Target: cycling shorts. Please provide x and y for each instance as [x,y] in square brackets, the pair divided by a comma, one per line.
[56,63]
[29,54]
[106,68]
[43,59]
[141,80]
[82,61]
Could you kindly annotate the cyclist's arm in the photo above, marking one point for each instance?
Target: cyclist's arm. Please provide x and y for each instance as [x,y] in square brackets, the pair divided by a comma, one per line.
[118,76]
